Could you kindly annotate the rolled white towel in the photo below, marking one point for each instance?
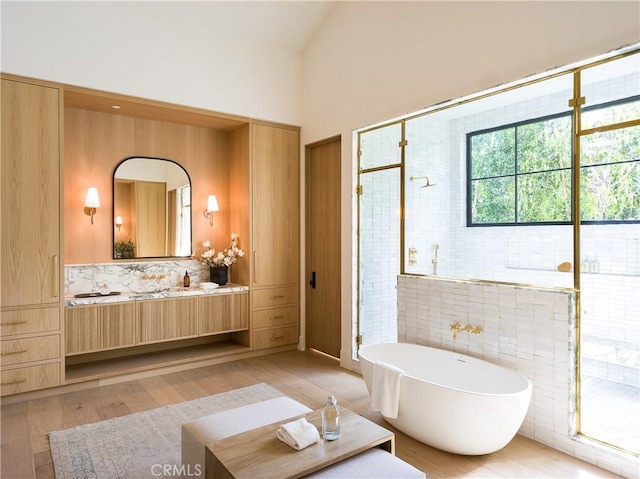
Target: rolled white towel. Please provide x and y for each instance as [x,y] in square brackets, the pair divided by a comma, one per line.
[298,434]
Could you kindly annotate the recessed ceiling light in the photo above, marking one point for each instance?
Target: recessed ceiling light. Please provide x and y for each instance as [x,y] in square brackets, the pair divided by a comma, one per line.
[115,107]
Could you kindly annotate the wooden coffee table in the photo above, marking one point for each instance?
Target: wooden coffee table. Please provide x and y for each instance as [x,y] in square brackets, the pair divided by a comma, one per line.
[259,452]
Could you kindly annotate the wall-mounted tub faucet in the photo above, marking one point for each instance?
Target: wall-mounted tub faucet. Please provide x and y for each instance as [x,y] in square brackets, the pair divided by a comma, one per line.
[458,328]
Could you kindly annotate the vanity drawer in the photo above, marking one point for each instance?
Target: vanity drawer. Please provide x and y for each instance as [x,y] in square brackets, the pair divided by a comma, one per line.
[20,380]
[268,318]
[29,321]
[266,298]
[18,351]
[270,338]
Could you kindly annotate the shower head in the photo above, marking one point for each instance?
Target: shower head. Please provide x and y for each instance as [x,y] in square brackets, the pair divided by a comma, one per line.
[426,185]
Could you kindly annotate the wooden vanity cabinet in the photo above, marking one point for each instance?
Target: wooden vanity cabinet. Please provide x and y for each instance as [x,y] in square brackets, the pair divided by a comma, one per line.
[30,274]
[110,339]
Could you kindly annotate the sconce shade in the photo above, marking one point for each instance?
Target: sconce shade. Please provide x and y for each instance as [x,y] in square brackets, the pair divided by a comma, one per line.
[212,206]
[118,222]
[91,202]
[212,203]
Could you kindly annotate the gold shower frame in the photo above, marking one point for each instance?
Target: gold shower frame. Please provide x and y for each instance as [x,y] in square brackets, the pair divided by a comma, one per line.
[576,103]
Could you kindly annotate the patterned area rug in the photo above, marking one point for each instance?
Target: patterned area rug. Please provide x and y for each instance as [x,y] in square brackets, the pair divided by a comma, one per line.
[140,445]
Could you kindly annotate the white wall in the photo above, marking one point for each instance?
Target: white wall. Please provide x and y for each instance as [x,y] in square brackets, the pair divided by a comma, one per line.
[374,61]
[167,51]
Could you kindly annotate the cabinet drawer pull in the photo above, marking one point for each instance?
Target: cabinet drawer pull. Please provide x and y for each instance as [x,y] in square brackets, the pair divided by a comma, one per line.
[19,381]
[255,267]
[56,276]
[14,323]
[14,352]
[277,297]
[275,338]
[276,317]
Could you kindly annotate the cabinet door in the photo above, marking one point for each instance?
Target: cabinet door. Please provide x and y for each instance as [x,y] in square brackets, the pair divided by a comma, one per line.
[117,325]
[96,328]
[82,330]
[167,319]
[275,206]
[30,206]
[221,313]
[240,312]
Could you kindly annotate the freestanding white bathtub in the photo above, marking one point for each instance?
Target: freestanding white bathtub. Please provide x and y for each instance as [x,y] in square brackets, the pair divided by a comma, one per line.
[451,401]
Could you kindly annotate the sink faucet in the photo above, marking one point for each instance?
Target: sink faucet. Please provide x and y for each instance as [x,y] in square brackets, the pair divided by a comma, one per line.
[155,277]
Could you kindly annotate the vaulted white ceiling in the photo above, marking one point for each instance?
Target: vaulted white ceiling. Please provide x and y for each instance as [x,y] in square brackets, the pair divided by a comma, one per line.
[284,24]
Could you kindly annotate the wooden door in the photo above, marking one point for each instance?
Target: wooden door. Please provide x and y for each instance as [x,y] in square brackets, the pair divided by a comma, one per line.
[30,207]
[276,206]
[323,246]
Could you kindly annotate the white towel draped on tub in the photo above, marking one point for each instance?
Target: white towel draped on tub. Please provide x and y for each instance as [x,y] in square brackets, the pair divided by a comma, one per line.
[385,389]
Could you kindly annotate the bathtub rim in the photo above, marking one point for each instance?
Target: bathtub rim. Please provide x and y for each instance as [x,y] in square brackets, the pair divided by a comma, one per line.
[526,390]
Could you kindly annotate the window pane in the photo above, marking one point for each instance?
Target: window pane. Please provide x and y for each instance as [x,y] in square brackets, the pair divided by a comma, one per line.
[544,145]
[544,197]
[493,201]
[611,81]
[610,192]
[611,115]
[380,147]
[493,154]
[610,146]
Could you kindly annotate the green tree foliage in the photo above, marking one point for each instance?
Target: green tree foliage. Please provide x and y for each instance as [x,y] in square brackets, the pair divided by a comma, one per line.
[532,162]
[610,175]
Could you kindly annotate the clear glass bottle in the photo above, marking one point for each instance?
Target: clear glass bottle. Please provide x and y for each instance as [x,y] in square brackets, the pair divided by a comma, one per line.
[331,420]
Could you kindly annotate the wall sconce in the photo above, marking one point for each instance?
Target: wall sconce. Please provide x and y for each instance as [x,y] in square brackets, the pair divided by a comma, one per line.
[212,206]
[118,222]
[91,202]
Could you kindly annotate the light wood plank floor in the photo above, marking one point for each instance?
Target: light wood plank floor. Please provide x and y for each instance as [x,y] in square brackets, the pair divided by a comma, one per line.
[308,377]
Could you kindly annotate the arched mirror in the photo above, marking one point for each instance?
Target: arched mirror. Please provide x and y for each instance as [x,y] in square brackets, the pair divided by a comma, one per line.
[151,209]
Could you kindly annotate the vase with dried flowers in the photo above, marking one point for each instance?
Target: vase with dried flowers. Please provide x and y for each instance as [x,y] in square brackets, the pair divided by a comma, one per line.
[220,261]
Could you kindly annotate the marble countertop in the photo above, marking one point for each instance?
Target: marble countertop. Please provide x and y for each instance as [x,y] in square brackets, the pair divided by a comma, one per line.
[71,300]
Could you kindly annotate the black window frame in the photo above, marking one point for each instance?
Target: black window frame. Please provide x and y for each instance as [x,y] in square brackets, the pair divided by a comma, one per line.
[516,174]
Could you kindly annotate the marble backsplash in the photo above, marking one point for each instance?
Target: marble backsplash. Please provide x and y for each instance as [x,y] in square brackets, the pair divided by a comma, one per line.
[142,277]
